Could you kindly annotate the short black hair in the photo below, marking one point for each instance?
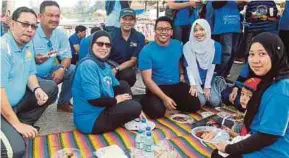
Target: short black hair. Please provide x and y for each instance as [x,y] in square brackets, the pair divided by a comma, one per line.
[46,4]
[80,28]
[20,10]
[94,29]
[164,18]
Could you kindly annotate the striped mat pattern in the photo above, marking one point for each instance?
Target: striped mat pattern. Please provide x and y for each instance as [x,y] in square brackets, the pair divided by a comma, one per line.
[178,134]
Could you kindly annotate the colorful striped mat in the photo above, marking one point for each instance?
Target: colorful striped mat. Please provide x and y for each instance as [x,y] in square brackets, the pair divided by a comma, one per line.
[178,134]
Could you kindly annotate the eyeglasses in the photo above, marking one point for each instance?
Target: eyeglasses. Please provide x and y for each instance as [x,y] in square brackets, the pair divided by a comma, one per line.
[100,44]
[160,30]
[26,25]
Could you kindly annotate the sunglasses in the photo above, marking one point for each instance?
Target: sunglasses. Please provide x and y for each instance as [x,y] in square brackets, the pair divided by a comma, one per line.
[100,44]
[26,25]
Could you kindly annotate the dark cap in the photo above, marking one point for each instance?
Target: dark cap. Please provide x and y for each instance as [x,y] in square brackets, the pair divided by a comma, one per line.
[127,11]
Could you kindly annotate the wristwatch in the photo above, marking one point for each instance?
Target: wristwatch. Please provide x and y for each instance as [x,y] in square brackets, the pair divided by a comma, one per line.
[62,66]
[117,68]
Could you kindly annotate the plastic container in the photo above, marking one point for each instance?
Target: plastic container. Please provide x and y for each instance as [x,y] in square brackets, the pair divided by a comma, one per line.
[143,124]
[148,146]
[220,135]
[139,139]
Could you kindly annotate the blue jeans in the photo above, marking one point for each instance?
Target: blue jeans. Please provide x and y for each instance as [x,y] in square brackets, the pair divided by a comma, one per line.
[65,93]
[226,41]
[217,86]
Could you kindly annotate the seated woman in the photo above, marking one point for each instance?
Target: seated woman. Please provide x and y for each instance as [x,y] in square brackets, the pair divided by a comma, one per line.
[201,55]
[101,103]
[267,116]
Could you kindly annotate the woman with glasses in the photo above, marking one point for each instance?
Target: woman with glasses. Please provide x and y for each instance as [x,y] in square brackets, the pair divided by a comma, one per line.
[201,55]
[101,102]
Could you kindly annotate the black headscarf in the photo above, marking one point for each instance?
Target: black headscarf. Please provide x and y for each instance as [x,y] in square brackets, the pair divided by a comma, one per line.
[280,70]
[90,54]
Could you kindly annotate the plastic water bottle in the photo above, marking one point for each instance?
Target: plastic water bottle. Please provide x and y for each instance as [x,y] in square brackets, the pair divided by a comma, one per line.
[139,139]
[143,124]
[148,145]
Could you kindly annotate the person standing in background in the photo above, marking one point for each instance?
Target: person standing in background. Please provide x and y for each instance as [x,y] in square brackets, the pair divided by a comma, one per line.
[113,9]
[74,41]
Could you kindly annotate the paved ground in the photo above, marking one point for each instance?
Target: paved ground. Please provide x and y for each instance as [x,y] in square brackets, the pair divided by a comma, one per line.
[54,122]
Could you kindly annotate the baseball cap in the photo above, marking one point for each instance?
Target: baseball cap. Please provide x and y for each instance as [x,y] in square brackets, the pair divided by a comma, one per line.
[127,11]
[252,83]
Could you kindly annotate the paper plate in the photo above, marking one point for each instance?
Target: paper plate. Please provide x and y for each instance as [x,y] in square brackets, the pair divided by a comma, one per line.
[221,135]
[67,152]
[133,125]
[182,118]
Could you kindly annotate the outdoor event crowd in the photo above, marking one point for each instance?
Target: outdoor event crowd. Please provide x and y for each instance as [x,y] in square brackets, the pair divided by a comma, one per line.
[184,68]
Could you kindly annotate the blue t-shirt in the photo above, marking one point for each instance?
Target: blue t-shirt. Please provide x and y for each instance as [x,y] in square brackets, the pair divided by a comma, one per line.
[123,50]
[90,82]
[284,21]
[273,118]
[195,14]
[227,19]
[74,40]
[217,60]
[84,47]
[58,41]
[163,61]
[17,64]
[261,8]
[182,16]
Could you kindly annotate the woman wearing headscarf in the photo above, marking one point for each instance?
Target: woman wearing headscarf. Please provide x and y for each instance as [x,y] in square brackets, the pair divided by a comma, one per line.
[101,103]
[267,117]
[201,56]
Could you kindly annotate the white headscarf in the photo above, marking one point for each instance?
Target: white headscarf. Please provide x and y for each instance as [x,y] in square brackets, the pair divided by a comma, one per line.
[203,52]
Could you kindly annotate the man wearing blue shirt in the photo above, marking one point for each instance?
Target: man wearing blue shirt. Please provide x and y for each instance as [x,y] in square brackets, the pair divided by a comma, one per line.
[51,46]
[126,45]
[23,98]
[162,73]
[226,25]
[182,20]
[74,41]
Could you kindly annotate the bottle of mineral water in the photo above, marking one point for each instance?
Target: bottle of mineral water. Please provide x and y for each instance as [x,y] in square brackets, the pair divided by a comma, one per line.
[143,124]
[148,145]
[139,139]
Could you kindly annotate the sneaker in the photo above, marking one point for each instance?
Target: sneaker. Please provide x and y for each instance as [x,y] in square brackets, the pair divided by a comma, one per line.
[64,107]
[239,61]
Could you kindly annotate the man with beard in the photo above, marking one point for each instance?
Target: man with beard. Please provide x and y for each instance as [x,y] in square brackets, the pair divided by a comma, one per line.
[51,46]
[23,98]
[162,73]
[126,45]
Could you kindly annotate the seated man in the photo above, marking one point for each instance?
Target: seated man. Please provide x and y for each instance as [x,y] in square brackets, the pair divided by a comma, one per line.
[126,45]
[74,41]
[160,67]
[23,99]
[51,46]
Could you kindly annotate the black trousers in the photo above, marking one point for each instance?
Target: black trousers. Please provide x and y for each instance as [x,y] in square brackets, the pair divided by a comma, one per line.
[27,111]
[119,114]
[128,75]
[284,35]
[153,106]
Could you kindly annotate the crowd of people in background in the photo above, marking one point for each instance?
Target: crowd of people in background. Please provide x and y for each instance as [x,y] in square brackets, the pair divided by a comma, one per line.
[184,68]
